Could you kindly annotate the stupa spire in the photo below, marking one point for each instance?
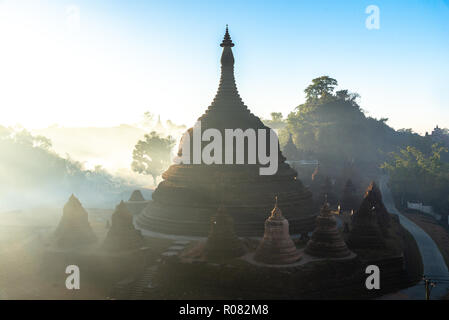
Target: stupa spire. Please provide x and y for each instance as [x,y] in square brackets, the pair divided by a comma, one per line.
[276,213]
[227,94]
[227,42]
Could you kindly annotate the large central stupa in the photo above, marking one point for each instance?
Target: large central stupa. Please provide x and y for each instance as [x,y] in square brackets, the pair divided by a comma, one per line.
[185,201]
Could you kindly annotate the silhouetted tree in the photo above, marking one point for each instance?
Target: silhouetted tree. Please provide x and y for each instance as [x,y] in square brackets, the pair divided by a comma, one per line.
[152,155]
[321,87]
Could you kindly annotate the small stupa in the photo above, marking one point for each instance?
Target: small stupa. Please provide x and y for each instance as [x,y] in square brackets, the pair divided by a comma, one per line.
[366,232]
[136,202]
[290,151]
[326,241]
[222,242]
[276,246]
[382,215]
[74,229]
[136,196]
[122,236]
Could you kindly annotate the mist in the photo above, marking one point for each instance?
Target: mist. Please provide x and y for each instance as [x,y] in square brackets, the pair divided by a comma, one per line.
[43,167]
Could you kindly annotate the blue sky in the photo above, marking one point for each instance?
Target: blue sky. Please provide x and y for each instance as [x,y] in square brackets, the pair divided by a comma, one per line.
[84,63]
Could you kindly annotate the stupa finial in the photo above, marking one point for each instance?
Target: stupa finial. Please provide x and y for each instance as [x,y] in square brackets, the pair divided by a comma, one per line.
[325,209]
[276,212]
[227,42]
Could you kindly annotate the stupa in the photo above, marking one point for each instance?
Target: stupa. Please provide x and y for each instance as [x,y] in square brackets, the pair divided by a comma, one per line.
[136,196]
[136,202]
[122,236]
[382,215]
[222,242]
[183,203]
[366,232]
[290,151]
[326,241]
[74,229]
[276,246]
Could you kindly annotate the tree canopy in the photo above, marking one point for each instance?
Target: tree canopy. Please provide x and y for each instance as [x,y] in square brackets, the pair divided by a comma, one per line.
[152,155]
[415,176]
[321,88]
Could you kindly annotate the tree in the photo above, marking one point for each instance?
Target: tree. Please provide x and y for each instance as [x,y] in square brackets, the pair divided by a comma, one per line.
[321,87]
[276,116]
[152,155]
[416,176]
[276,122]
[147,119]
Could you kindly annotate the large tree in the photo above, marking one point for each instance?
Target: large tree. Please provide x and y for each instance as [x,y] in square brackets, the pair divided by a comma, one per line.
[152,155]
[321,87]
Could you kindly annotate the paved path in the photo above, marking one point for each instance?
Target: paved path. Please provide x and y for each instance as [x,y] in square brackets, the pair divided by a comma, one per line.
[434,264]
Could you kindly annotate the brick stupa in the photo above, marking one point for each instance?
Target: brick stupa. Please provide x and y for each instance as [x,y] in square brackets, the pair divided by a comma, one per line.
[326,241]
[222,242]
[382,215]
[136,202]
[122,236]
[290,151]
[276,246]
[74,229]
[366,232]
[183,204]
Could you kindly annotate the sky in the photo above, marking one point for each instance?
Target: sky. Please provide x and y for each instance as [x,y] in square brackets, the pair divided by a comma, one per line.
[104,63]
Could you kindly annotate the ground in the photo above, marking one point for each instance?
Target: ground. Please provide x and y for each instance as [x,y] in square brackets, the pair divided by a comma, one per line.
[24,235]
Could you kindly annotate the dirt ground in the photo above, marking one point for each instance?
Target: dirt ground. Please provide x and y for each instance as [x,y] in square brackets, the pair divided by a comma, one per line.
[23,238]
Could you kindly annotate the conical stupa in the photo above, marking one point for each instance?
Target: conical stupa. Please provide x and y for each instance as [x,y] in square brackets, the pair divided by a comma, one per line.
[136,202]
[382,215]
[326,241]
[222,242]
[290,151]
[183,203]
[122,235]
[366,232]
[136,196]
[276,246]
[74,229]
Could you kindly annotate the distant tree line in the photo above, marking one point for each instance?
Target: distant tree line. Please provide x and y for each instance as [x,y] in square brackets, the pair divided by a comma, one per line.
[32,173]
